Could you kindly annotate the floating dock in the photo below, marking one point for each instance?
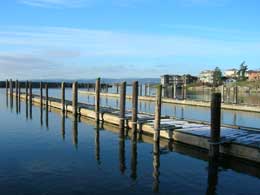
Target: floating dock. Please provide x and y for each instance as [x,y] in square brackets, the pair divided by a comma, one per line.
[234,142]
[227,106]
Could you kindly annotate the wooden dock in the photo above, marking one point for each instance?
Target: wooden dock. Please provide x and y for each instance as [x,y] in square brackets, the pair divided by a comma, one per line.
[233,142]
[226,106]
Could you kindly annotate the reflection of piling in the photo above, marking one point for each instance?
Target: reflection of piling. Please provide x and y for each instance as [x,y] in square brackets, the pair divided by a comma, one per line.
[157,118]
[134,108]
[97,99]
[133,159]
[212,176]
[97,143]
[156,166]
[215,125]
[75,131]
[122,166]
[75,98]
[122,106]
[63,126]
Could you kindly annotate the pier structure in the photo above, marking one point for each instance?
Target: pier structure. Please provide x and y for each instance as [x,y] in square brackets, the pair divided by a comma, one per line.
[218,140]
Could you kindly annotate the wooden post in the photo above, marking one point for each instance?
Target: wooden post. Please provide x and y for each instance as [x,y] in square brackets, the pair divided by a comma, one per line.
[75,98]
[175,90]
[97,99]
[145,90]
[11,88]
[134,109]
[6,86]
[157,116]
[63,96]
[215,125]
[46,97]
[122,107]
[19,96]
[222,93]
[30,93]
[141,90]
[235,91]
[16,88]
[26,91]
[41,95]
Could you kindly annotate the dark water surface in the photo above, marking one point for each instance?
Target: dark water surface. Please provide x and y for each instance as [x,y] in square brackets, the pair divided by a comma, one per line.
[63,156]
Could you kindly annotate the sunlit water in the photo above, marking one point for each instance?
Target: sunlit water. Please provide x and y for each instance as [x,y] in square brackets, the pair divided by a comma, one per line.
[66,157]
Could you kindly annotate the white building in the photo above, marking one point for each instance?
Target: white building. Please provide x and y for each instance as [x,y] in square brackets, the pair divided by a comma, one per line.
[230,73]
[206,76]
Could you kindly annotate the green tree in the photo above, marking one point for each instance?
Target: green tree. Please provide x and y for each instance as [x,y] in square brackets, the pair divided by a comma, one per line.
[217,77]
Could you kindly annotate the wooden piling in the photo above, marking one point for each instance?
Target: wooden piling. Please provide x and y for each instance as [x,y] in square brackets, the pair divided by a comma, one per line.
[174,91]
[11,88]
[46,97]
[97,99]
[16,88]
[215,124]
[222,93]
[6,87]
[41,96]
[134,109]
[235,91]
[26,91]
[75,98]
[157,117]
[63,96]
[30,93]
[122,105]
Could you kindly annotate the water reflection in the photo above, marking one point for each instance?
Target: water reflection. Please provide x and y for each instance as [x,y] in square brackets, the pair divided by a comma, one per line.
[212,176]
[122,166]
[134,157]
[47,117]
[75,131]
[63,125]
[97,143]
[156,165]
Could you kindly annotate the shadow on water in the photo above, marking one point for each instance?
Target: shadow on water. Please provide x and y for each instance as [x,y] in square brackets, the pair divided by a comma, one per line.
[159,148]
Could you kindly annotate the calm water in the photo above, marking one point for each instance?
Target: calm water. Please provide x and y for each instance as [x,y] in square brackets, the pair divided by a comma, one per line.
[63,156]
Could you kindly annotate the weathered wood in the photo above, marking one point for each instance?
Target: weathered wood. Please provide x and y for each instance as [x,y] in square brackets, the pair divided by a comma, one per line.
[134,108]
[26,91]
[215,124]
[75,98]
[41,103]
[63,96]
[46,97]
[157,116]
[6,86]
[97,99]
[122,105]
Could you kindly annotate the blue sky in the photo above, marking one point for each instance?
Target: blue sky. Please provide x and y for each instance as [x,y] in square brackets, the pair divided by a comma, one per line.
[126,38]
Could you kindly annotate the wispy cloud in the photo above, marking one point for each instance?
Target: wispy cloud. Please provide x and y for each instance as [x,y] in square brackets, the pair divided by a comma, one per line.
[96,52]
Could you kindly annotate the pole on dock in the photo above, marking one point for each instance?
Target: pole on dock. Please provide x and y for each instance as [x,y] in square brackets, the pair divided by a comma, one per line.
[141,90]
[235,91]
[41,96]
[215,125]
[122,107]
[16,88]
[222,93]
[26,91]
[63,96]
[6,87]
[97,99]
[11,88]
[46,98]
[134,109]
[157,119]
[19,96]
[174,90]
[30,93]
[75,98]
